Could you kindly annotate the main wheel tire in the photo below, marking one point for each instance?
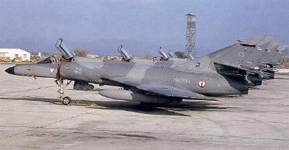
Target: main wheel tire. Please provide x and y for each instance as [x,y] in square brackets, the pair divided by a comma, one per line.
[66,100]
[147,106]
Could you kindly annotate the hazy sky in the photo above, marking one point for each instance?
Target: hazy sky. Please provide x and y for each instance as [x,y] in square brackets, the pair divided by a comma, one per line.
[219,22]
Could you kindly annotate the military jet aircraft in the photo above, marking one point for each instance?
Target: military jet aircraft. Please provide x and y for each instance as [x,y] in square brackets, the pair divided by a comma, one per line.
[149,83]
[254,54]
[270,58]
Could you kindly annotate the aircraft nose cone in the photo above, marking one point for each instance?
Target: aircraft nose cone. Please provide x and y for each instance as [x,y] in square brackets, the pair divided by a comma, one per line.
[10,70]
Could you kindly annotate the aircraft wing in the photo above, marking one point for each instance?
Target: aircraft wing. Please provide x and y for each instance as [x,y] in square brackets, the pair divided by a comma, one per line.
[159,89]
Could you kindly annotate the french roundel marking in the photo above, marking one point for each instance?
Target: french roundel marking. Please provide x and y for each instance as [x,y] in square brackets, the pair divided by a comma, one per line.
[202,83]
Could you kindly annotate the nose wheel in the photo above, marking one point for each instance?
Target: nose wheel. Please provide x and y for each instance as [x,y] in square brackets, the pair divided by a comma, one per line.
[64,99]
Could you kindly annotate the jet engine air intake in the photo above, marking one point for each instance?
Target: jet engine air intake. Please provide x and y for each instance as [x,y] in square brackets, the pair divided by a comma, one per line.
[254,79]
[82,85]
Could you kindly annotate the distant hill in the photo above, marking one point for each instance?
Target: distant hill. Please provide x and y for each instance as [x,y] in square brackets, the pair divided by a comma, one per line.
[109,46]
[102,46]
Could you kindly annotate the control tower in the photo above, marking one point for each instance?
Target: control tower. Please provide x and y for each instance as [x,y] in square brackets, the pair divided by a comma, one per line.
[191,35]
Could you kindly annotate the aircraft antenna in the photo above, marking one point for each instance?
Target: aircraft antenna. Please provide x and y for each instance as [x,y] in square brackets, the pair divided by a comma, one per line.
[191,35]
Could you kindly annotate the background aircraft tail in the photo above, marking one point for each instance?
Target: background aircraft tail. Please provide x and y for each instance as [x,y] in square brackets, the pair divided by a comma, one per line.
[245,51]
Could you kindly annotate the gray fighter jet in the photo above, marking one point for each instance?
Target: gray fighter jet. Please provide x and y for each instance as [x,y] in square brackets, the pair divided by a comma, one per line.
[254,54]
[152,83]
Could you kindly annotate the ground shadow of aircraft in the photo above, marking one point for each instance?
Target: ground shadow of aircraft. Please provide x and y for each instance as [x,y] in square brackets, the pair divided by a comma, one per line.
[281,78]
[170,109]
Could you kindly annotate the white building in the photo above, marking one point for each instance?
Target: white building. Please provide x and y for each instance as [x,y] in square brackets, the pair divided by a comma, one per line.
[15,53]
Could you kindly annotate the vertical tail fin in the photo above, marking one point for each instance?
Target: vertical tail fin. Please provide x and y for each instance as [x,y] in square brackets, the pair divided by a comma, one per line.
[248,50]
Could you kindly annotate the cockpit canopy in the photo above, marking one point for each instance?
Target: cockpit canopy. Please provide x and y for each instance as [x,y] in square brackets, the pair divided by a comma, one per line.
[171,54]
[54,59]
[163,53]
[63,49]
[125,54]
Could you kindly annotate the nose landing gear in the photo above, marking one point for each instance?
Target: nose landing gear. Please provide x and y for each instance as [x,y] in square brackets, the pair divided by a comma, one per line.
[64,99]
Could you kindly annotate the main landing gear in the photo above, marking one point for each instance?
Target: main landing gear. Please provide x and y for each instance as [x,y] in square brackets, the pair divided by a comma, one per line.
[64,99]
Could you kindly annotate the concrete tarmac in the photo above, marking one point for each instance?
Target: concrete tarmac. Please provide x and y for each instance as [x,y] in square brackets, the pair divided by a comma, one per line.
[31,117]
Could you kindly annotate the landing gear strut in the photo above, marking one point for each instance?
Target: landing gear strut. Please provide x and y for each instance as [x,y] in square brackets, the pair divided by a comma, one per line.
[65,99]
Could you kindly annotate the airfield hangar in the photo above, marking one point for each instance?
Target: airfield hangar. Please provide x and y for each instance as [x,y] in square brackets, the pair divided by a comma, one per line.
[13,53]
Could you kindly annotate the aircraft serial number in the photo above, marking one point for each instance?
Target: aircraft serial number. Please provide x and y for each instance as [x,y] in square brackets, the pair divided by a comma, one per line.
[181,80]
[78,70]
